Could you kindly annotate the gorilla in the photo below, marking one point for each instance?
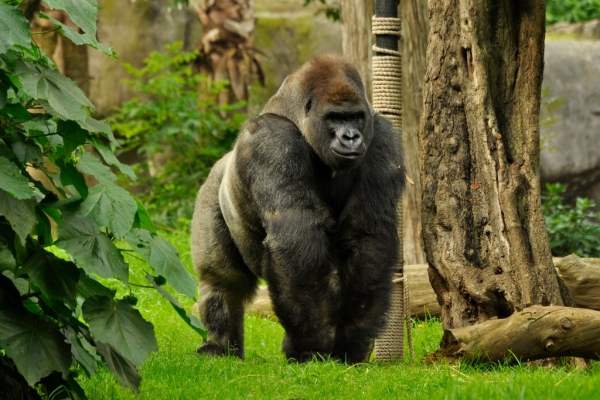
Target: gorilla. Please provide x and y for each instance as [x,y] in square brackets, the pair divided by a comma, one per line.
[307,201]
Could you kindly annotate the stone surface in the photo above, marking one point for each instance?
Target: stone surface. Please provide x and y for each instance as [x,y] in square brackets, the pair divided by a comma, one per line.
[133,30]
[571,145]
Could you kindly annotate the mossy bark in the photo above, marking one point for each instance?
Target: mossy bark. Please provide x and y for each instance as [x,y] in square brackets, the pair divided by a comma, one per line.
[484,233]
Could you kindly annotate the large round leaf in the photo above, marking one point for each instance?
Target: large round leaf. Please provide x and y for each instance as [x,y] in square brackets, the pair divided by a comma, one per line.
[121,326]
[92,250]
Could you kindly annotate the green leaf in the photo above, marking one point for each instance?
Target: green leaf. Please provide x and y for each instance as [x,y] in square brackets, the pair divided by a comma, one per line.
[70,176]
[92,125]
[13,181]
[62,93]
[124,369]
[163,258]
[7,259]
[20,214]
[110,206]
[142,218]
[81,38]
[36,346]
[56,278]
[120,325]
[84,13]
[43,228]
[26,151]
[190,319]
[89,287]
[73,136]
[84,353]
[110,158]
[14,28]
[16,110]
[91,165]
[92,250]
[3,97]
[52,211]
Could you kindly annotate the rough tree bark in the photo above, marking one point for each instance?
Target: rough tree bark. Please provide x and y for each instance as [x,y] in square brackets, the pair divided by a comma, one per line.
[484,232]
[415,25]
[356,36]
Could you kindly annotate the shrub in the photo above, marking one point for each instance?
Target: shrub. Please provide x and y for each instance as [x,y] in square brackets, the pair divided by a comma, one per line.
[57,235]
[571,10]
[570,230]
[175,124]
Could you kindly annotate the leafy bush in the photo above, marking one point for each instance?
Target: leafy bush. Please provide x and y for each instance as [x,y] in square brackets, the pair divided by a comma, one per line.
[57,235]
[571,230]
[571,10]
[177,128]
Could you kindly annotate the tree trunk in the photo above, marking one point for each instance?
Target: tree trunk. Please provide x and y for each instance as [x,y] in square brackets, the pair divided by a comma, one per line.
[226,47]
[415,24]
[485,238]
[356,36]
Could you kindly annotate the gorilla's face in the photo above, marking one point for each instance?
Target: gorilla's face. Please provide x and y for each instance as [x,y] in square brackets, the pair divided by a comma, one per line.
[340,134]
[326,99]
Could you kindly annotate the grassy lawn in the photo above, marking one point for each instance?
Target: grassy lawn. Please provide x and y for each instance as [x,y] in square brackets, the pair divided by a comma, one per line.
[176,372]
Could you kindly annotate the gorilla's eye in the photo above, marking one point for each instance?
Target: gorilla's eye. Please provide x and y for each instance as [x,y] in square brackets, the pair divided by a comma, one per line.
[308,106]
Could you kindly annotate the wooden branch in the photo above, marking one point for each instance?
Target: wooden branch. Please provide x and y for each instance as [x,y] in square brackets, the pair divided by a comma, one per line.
[423,302]
[581,275]
[534,333]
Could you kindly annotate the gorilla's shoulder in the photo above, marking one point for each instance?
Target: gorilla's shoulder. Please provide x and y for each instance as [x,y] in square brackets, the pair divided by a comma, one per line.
[270,122]
[271,132]
[270,141]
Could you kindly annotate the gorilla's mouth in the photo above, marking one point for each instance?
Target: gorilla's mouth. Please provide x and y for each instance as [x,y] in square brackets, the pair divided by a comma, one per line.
[350,155]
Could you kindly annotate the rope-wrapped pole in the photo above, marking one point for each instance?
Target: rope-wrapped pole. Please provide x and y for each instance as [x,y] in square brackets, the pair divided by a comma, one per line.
[387,99]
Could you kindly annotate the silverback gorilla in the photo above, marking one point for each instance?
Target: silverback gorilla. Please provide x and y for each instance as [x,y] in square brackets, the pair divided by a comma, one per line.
[307,201]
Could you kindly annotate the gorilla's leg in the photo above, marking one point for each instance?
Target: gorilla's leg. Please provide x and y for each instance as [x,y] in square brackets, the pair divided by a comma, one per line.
[226,283]
[222,312]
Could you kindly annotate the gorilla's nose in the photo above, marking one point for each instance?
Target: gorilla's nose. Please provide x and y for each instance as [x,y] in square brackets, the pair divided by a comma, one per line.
[351,138]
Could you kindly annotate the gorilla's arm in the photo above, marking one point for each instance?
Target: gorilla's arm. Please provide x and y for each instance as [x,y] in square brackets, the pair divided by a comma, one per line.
[276,164]
[369,241]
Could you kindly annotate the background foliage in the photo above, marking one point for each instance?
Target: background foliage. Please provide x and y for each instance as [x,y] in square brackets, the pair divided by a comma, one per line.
[570,229]
[59,237]
[571,10]
[174,123]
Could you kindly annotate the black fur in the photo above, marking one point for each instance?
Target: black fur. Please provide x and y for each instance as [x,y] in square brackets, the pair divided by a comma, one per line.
[306,200]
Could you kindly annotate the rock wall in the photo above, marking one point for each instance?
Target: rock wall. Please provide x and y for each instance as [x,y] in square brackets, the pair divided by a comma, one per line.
[133,29]
[571,144]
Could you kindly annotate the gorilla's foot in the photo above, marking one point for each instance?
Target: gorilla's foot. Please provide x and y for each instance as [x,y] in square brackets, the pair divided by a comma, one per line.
[213,349]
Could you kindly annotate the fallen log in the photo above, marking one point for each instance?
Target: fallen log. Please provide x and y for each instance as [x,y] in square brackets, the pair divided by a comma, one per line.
[534,333]
[423,302]
[581,275]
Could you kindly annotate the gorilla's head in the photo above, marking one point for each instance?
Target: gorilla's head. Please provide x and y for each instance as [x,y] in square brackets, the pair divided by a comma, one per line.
[326,99]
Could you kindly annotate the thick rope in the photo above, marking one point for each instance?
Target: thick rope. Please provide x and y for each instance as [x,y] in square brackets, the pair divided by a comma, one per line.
[407,319]
[390,345]
[387,99]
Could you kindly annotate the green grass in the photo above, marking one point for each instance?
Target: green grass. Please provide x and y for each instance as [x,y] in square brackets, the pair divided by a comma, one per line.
[176,372]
